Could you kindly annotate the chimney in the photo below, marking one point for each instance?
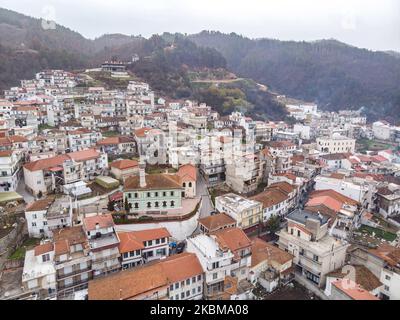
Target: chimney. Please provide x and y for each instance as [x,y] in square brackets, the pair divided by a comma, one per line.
[142,173]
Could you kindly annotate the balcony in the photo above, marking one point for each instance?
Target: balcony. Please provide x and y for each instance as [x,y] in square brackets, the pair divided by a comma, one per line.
[81,283]
[100,260]
[75,271]
[310,264]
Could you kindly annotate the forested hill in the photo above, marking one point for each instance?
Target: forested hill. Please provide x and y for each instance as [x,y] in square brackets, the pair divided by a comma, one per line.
[328,72]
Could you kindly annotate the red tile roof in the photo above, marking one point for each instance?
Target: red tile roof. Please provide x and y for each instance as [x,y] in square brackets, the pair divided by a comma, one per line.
[57,161]
[233,239]
[133,283]
[187,172]
[217,221]
[43,248]
[104,221]
[129,242]
[124,164]
[155,182]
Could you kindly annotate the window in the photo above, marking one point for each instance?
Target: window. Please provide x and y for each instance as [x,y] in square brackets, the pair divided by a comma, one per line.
[164,204]
[193,291]
[33,224]
[387,277]
[161,252]
[188,293]
[193,279]
[184,184]
[172,203]
[148,204]
[190,184]
[215,265]
[315,258]
[163,240]
[156,194]
[298,233]
[172,193]
[188,282]
[177,297]
[150,243]
[34,216]
[199,277]
[157,204]
[177,285]
[164,194]
[171,287]
[136,205]
[215,275]
[158,241]
[126,255]
[45,223]
[198,289]
[135,195]
[148,195]
[45,257]
[387,288]
[182,295]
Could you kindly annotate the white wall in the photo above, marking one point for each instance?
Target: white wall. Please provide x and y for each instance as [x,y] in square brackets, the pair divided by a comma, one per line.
[179,230]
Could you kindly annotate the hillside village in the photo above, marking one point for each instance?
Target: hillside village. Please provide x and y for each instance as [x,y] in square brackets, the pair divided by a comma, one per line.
[123,194]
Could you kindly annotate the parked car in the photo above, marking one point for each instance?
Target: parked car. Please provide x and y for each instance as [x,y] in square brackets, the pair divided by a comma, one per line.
[181,247]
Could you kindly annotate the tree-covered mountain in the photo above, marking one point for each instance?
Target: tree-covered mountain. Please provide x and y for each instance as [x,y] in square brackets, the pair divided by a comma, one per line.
[330,73]
[327,72]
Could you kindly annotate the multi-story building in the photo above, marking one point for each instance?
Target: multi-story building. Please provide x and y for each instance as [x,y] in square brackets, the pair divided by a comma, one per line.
[39,273]
[151,145]
[153,192]
[240,245]
[217,263]
[10,170]
[44,216]
[244,173]
[103,244]
[82,139]
[179,277]
[388,200]
[50,174]
[139,247]
[336,144]
[72,260]
[315,252]
[382,130]
[275,203]
[117,145]
[248,213]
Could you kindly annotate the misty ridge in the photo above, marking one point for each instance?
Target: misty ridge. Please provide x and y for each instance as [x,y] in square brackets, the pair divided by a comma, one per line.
[327,72]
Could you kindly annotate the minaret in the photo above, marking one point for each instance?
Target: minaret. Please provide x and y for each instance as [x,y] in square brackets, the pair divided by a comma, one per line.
[142,173]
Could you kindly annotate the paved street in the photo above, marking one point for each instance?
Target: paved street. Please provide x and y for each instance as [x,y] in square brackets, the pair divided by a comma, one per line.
[21,190]
[207,206]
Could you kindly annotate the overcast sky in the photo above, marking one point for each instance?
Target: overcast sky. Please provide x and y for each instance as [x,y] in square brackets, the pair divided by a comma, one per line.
[372,24]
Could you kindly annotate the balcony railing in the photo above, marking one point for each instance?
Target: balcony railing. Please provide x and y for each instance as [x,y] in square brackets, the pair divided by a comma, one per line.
[74,272]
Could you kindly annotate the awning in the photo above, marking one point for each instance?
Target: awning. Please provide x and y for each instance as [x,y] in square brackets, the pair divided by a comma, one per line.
[56,169]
